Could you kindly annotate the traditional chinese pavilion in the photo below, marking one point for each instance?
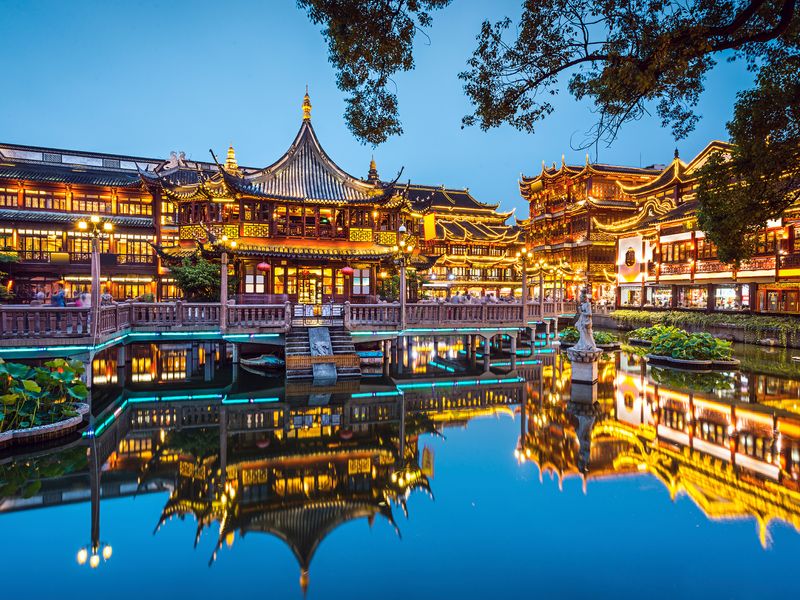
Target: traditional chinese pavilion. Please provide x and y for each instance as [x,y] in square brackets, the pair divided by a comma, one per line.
[564,204]
[665,261]
[468,241]
[299,229]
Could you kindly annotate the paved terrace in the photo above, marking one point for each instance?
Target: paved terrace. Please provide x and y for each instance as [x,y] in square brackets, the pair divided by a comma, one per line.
[46,326]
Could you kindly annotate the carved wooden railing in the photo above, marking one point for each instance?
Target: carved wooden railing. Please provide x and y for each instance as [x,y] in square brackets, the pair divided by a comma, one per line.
[250,316]
[71,322]
[372,315]
[166,314]
[43,321]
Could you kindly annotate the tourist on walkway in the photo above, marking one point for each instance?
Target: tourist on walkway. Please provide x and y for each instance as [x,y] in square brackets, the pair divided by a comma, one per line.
[59,298]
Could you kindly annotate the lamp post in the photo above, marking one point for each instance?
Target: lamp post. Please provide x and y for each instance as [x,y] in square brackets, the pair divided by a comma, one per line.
[95,227]
[402,250]
[225,243]
[523,256]
[96,549]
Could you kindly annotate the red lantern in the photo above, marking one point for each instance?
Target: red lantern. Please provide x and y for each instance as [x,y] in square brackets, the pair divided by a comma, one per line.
[263,267]
[347,270]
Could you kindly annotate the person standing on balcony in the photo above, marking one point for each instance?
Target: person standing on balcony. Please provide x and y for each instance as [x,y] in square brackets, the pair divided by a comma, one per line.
[59,298]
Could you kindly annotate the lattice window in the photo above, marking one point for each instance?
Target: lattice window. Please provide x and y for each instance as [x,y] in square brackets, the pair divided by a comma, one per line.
[387,238]
[359,234]
[256,230]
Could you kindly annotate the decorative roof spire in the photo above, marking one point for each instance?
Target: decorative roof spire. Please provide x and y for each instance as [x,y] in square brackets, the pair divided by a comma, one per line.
[677,156]
[231,166]
[372,176]
[304,581]
[306,107]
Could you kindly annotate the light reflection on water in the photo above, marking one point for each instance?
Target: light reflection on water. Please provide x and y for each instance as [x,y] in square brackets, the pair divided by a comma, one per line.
[442,479]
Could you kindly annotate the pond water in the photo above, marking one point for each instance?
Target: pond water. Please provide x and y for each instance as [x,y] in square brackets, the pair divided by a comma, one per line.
[204,480]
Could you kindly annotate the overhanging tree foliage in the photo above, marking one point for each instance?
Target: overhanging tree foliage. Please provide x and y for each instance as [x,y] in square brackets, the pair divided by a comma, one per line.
[200,279]
[761,178]
[368,42]
[626,57]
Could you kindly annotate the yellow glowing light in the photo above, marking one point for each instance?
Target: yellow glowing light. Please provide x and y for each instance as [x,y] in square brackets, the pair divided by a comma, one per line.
[82,556]
[83,225]
[107,552]
[107,226]
[94,219]
[224,238]
[233,244]
[94,561]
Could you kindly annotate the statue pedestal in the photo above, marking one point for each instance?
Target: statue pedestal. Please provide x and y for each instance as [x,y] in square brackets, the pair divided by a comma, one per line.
[584,365]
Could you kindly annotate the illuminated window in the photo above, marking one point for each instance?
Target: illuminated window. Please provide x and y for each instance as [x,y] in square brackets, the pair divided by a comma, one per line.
[134,206]
[361,281]
[9,197]
[45,200]
[91,203]
[255,282]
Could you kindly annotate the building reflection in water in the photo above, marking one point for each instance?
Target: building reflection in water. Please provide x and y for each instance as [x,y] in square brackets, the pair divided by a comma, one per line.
[729,442]
[242,454]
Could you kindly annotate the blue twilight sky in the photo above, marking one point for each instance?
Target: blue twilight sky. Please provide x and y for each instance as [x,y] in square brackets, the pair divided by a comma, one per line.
[144,77]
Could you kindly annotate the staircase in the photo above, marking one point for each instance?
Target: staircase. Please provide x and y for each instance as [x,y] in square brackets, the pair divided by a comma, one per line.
[300,362]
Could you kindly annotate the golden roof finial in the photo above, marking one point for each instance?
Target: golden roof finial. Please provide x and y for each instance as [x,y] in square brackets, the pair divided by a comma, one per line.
[231,166]
[587,159]
[372,175]
[304,581]
[563,160]
[306,106]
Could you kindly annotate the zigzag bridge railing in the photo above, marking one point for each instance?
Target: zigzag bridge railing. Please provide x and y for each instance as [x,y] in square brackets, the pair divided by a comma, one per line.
[25,324]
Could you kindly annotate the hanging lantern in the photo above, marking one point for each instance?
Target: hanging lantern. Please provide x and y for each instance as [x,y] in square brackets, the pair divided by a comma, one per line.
[347,270]
[263,267]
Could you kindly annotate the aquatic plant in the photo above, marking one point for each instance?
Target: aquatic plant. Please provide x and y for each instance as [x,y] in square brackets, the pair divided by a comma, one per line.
[762,326]
[33,396]
[680,344]
[570,335]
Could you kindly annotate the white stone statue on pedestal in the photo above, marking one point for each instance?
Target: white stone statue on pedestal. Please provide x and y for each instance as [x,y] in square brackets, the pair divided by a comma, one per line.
[584,324]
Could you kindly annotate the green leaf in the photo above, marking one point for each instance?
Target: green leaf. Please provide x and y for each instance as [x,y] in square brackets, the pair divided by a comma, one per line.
[31,386]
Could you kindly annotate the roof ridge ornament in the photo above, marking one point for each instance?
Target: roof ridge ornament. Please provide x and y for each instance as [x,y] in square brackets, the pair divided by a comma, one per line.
[231,166]
[372,175]
[306,106]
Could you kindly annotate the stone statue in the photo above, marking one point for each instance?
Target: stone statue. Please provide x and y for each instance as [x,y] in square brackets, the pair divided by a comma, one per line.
[584,323]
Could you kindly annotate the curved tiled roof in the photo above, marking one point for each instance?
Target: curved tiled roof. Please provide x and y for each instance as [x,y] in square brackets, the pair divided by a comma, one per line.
[307,172]
[67,174]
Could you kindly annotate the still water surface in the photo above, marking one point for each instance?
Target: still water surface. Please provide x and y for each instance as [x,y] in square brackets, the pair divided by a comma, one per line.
[438,482]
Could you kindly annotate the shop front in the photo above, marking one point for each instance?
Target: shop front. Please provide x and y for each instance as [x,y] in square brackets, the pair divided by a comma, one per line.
[779,298]
[658,296]
[630,295]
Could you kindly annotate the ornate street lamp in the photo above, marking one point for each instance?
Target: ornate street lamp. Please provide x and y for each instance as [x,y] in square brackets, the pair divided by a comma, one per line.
[95,226]
[93,553]
[403,250]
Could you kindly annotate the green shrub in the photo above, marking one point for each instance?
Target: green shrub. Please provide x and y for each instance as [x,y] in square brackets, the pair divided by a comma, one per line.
[571,335]
[603,337]
[680,344]
[648,333]
[761,325]
[33,396]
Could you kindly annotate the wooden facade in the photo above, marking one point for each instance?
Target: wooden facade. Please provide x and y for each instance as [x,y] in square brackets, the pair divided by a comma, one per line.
[564,203]
[664,261]
[301,229]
